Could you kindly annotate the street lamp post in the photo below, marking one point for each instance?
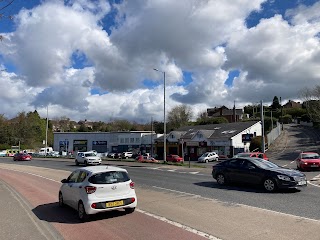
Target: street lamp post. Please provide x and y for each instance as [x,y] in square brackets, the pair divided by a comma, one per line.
[164,115]
[47,126]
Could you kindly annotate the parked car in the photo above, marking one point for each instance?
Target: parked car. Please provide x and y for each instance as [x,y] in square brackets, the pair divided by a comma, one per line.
[111,155]
[174,158]
[126,155]
[3,153]
[95,189]
[147,159]
[308,161]
[22,157]
[87,158]
[208,157]
[251,170]
[252,154]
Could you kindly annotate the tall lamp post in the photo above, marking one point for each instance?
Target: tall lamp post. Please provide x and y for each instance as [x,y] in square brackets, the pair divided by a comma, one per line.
[164,115]
[47,126]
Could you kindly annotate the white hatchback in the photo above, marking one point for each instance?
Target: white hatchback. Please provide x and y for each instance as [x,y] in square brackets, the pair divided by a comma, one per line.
[95,189]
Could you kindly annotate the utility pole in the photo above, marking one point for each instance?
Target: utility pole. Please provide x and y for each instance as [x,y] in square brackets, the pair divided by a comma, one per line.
[262,127]
[151,152]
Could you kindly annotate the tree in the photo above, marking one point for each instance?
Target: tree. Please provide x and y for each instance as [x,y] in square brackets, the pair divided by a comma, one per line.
[275,103]
[179,116]
[3,5]
[312,102]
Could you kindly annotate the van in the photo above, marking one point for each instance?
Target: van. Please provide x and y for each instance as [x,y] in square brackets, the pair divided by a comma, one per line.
[44,152]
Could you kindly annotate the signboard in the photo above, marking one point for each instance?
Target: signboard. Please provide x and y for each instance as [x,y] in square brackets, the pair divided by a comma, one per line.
[192,144]
[80,142]
[63,143]
[219,143]
[99,143]
[247,137]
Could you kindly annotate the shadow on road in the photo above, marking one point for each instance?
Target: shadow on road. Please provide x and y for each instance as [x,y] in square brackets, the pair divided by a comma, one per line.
[52,213]
[244,188]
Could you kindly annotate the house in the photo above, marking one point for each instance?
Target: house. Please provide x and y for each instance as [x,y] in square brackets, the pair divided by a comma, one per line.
[232,115]
[226,139]
[292,104]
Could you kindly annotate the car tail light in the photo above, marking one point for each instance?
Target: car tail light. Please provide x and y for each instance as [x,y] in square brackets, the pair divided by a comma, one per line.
[133,200]
[132,185]
[90,189]
[93,205]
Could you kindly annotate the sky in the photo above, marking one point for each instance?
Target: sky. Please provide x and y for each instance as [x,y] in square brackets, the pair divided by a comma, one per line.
[95,59]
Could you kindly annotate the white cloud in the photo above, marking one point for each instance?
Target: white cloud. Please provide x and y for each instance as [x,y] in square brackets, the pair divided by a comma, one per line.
[61,52]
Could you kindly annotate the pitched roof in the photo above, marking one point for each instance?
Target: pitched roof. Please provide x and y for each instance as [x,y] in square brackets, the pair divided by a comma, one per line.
[220,131]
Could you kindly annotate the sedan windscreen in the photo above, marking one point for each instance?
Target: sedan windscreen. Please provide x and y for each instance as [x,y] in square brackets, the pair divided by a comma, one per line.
[263,163]
[109,177]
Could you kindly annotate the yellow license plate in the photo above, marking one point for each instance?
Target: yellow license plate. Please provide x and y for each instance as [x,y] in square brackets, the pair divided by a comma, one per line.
[114,204]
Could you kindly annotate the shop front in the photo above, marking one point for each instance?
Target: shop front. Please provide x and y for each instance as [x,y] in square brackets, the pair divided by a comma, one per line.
[80,145]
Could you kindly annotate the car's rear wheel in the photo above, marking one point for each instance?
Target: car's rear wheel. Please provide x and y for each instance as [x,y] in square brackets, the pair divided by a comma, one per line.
[129,210]
[77,163]
[82,215]
[61,203]
[221,180]
[269,185]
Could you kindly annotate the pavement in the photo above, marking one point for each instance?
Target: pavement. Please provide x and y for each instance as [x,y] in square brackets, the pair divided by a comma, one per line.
[17,220]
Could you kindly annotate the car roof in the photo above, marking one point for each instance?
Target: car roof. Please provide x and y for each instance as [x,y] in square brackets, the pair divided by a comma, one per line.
[102,168]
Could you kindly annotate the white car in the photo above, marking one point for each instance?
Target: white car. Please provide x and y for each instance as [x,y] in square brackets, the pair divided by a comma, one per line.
[208,156]
[96,189]
[87,158]
[127,155]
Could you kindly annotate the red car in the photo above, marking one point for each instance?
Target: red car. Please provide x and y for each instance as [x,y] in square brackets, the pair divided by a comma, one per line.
[174,158]
[308,160]
[147,159]
[22,157]
[252,154]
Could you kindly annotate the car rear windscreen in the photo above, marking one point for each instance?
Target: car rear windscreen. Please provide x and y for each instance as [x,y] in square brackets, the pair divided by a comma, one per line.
[109,177]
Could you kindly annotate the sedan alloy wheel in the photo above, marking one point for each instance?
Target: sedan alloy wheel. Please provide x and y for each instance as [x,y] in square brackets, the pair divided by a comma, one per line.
[221,179]
[269,185]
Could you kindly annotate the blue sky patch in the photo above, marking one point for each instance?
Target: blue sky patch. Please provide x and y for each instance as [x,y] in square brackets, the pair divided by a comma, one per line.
[232,74]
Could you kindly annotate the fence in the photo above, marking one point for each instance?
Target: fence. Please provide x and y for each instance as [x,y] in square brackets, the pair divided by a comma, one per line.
[274,134]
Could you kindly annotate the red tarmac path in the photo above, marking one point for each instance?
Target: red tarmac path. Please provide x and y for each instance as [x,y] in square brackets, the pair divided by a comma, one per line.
[41,195]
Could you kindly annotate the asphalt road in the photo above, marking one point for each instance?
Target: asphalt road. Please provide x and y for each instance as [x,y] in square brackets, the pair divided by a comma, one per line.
[194,199]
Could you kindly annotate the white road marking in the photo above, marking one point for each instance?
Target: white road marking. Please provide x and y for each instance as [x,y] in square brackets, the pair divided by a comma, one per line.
[239,204]
[176,224]
[172,170]
[202,234]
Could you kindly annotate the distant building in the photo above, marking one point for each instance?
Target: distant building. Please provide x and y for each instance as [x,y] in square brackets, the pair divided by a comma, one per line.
[232,115]
[292,104]
[226,139]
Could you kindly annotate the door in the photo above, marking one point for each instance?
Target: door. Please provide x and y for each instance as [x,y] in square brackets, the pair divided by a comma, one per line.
[250,173]
[77,188]
[68,188]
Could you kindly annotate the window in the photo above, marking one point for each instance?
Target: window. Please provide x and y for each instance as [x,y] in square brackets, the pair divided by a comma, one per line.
[127,140]
[109,177]
[137,140]
[82,176]
[121,140]
[73,177]
[131,140]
